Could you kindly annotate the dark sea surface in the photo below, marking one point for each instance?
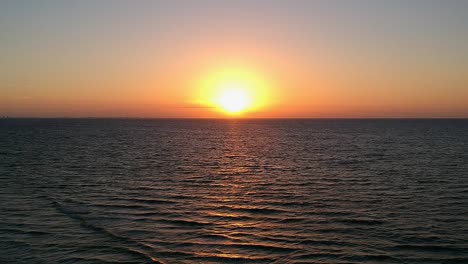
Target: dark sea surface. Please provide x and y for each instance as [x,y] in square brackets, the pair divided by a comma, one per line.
[233,191]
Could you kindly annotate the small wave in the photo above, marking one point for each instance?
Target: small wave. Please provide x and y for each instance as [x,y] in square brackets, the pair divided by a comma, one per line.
[24,232]
[310,242]
[71,210]
[292,220]
[97,260]
[172,254]
[297,204]
[154,201]
[230,258]
[14,251]
[361,221]
[143,256]
[230,217]
[330,213]
[372,257]
[309,256]
[273,238]
[145,201]
[187,223]
[337,230]
[215,237]
[429,248]
[263,247]
[75,214]
[255,210]
[121,206]
[272,248]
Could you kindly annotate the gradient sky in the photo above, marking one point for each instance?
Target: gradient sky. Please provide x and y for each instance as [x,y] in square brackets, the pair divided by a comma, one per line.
[320,58]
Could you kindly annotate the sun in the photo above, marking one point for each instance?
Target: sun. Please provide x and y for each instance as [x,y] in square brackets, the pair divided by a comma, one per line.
[234,98]
[233,91]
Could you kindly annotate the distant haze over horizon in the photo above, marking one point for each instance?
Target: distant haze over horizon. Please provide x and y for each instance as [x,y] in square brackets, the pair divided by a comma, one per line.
[234,59]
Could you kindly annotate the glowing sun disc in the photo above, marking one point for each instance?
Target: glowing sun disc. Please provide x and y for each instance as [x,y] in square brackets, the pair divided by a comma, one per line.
[234,99]
[233,91]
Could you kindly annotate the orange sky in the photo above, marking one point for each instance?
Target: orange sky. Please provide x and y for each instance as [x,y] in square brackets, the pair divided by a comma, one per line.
[308,60]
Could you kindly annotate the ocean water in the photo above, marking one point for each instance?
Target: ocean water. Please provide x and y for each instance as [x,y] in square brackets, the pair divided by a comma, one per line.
[233,191]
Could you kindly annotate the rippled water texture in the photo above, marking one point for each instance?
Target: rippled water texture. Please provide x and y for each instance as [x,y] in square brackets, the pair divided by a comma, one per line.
[252,191]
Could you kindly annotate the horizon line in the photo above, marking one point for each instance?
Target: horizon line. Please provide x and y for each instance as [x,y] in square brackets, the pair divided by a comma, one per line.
[234,118]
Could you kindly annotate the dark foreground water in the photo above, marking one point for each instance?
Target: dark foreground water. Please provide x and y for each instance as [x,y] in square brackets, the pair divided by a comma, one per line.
[252,191]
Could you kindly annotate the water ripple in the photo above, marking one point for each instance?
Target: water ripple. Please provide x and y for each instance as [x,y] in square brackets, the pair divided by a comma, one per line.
[230,191]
